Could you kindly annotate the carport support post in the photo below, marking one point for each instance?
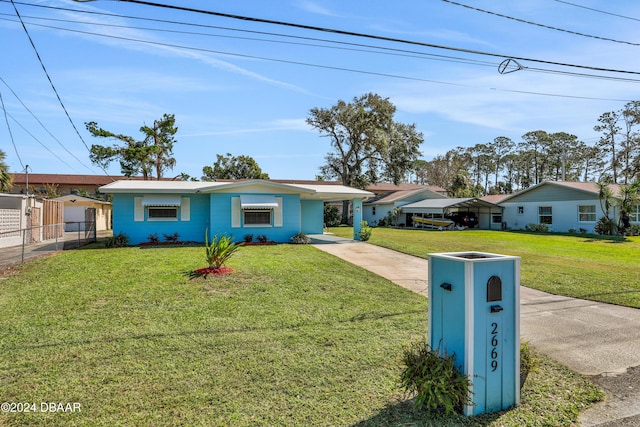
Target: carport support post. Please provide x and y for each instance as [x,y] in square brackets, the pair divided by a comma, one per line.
[357,218]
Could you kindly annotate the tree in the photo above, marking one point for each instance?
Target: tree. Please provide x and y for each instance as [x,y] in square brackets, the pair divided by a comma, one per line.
[5,178]
[230,167]
[610,129]
[153,153]
[368,144]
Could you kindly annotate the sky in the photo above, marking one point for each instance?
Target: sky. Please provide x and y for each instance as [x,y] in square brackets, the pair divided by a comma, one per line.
[246,87]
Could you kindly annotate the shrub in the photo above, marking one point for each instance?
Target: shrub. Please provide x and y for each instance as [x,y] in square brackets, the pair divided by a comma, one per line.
[300,239]
[262,238]
[605,226]
[171,237]
[542,228]
[153,238]
[634,230]
[433,379]
[571,230]
[583,231]
[120,240]
[219,250]
[331,216]
[248,238]
[365,231]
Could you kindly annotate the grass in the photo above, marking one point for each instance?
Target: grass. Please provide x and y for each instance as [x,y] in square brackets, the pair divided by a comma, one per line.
[587,267]
[295,337]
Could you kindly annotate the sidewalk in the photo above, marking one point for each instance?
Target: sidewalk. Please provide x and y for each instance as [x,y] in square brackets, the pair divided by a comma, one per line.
[594,339]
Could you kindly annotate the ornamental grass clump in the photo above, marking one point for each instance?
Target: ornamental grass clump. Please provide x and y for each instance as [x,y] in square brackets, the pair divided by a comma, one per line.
[219,250]
[434,380]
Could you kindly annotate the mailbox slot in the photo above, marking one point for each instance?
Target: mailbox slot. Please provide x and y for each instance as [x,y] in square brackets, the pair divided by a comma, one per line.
[494,289]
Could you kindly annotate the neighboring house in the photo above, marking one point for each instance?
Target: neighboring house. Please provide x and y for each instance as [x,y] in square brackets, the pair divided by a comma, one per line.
[79,211]
[277,210]
[378,207]
[386,187]
[25,220]
[561,205]
[62,183]
[489,215]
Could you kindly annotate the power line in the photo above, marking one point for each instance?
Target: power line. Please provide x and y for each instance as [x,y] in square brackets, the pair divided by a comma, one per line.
[329,67]
[597,10]
[49,78]
[10,133]
[452,59]
[40,142]
[43,126]
[524,21]
[370,36]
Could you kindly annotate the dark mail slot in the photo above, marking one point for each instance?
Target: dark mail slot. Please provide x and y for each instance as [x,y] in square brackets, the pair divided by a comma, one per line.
[494,289]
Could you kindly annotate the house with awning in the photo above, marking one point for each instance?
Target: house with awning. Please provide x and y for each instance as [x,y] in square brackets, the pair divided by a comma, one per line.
[260,207]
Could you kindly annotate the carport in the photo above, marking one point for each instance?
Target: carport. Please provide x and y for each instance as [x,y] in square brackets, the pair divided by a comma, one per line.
[489,215]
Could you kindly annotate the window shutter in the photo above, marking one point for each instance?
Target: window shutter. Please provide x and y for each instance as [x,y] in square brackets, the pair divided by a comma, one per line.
[277,213]
[185,209]
[138,209]
[235,212]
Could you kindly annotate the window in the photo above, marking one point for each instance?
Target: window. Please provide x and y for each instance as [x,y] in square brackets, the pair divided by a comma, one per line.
[496,218]
[634,214]
[257,217]
[520,210]
[545,215]
[163,213]
[587,213]
[373,211]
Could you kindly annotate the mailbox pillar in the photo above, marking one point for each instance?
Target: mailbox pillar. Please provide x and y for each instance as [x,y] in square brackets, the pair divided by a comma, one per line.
[474,313]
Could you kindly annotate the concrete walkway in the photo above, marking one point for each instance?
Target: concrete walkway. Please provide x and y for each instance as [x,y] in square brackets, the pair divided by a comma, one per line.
[594,339]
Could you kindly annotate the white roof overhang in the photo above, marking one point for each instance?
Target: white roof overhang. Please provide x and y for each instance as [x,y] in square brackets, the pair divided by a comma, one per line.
[161,201]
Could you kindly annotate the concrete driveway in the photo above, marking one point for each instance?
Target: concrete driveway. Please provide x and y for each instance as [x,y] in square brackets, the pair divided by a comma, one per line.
[594,339]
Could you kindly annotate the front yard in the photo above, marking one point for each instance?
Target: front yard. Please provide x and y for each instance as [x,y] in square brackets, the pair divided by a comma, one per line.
[295,337]
[580,266]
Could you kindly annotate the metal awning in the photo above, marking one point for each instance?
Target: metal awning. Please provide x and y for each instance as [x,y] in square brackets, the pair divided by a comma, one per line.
[441,205]
[258,202]
[161,201]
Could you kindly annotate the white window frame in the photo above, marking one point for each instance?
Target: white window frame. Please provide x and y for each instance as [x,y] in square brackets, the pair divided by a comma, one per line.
[550,215]
[261,224]
[587,216]
[162,218]
[634,215]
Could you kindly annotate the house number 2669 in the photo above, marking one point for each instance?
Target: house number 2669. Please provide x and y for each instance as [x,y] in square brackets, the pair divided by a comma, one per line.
[494,346]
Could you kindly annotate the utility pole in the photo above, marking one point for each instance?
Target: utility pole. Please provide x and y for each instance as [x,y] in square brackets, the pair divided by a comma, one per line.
[26,171]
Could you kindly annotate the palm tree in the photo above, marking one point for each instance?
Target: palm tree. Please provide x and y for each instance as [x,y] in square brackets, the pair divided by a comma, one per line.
[5,178]
[630,198]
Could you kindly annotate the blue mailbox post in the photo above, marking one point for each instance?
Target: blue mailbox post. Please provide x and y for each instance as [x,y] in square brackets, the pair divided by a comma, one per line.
[474,313]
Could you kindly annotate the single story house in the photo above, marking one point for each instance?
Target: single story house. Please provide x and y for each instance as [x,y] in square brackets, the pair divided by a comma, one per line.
[380,206]
[561,205]
[79,211]
[237,208]
[27,219]
[489,215]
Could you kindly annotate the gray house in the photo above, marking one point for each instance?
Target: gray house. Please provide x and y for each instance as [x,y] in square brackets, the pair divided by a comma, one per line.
[561,205]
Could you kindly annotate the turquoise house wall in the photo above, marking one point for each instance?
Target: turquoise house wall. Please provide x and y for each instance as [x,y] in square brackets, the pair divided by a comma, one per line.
[312,216]
[221,218]
[138,231]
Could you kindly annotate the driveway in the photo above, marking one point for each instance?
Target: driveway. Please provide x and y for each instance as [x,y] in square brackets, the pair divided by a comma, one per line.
[598,340]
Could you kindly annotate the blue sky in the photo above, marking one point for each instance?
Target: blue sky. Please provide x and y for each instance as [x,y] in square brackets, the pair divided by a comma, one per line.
[246,88]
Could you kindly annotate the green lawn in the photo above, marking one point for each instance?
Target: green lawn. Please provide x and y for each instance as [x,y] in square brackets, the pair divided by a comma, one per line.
[295,337]
[587,267]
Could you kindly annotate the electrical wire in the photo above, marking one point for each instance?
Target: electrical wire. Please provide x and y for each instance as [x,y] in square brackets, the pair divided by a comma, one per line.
[598,10]
[10,133]
[369,36]
[51,81]
[43,126]
[524,21]
[329,67]
[40,142]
